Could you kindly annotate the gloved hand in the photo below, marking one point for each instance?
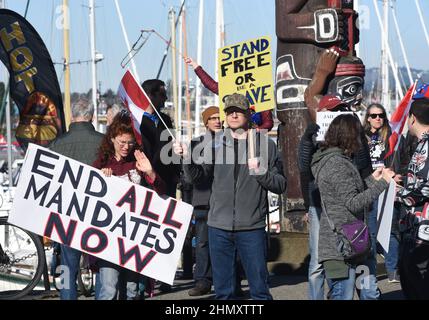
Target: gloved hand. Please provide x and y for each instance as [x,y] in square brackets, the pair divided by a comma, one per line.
[311,130]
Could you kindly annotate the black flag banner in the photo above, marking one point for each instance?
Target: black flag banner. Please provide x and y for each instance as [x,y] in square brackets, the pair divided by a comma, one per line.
[33,82]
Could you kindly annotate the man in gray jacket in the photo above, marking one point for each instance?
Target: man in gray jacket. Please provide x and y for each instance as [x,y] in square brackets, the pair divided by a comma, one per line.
[80,143]
[238,203]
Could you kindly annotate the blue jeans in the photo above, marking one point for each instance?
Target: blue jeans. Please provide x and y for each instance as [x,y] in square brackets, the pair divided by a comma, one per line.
[342,289]
[70,260]
[110,282]
[252,249]
[203,270]
[369,290]
[316,273]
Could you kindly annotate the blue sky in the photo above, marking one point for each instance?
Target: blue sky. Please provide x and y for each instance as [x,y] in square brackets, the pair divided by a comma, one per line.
[244,19]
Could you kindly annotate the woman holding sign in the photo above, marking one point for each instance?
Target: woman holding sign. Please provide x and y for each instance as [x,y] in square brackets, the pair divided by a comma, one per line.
[119,156]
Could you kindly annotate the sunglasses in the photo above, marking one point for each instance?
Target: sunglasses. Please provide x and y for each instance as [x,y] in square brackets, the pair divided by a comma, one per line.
[375,115]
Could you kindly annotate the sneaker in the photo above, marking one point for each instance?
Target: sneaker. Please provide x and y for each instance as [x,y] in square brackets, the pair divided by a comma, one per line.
[201,288]
[393,277]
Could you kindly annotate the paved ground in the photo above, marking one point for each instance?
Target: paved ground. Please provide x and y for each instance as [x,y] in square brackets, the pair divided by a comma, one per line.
[282,288]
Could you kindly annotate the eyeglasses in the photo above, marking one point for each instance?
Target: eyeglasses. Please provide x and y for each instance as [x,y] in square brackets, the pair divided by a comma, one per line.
[214,118]
[122,144]
[375,115]
[237,112]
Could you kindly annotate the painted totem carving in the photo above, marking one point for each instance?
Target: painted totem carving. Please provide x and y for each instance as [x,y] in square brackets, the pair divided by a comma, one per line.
[305,29]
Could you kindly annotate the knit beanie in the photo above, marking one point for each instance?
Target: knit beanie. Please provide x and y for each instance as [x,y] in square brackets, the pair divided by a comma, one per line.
[207,113]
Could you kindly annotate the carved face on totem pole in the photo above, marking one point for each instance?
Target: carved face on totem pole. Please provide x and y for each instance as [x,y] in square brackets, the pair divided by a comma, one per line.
[348,81]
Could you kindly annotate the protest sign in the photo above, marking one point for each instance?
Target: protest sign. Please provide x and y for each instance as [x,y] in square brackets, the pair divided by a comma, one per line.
[246,68]
[385,214]
[324,120]
[107,217]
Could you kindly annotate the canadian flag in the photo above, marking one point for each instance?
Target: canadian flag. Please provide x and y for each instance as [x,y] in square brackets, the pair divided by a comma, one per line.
[399,118]
[135,100]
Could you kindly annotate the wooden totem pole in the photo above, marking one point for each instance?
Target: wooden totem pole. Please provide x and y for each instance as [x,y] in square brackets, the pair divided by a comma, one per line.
[305,29]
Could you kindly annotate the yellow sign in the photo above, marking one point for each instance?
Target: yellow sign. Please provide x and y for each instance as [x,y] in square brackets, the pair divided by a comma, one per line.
[246,68]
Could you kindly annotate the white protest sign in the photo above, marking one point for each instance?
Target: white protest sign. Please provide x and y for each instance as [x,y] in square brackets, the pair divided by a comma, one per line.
[385,225]
[107,217]
[324,119]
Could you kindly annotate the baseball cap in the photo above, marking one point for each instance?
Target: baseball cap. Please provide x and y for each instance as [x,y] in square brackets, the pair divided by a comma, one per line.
[330,102]
[237,100]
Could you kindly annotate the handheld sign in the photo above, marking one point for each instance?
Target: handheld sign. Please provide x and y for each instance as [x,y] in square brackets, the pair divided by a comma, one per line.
[324,119]
[246,68]
[107,217]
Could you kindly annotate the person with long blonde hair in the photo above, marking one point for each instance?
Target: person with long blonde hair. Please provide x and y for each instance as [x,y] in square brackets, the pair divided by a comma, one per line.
[377,131]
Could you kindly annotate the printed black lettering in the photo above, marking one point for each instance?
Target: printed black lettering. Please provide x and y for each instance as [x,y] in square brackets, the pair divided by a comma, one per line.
[38,163]
[102,240]
[103,185]
[134,252]
[130,198]
[55,222]
[145,211]
[169,215]
[137,223]
[149,235]
[121,223]
[57,198]
[74,206]
[37,193]
[96,220]
[169,234]
[67,171]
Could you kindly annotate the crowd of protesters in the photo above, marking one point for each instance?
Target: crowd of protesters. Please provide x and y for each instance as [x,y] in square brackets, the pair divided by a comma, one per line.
[230,170]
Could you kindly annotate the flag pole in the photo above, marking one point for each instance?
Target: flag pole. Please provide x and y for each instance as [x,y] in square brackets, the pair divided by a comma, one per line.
[383,205]
[153,107]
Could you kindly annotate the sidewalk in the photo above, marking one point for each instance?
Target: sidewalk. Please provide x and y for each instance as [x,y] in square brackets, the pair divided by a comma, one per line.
[282,287]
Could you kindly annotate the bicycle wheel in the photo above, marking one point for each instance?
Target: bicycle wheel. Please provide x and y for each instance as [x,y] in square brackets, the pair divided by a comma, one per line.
[85,277]
[21,263]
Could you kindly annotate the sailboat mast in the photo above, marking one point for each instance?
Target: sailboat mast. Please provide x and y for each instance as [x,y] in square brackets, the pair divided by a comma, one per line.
[127,42]
[66,47]
[188,97]
[404,53]
[425,31]
[385,101]
[388,52]
[174,76]
[180,75]
[93,61]
[220,37]
[200,60]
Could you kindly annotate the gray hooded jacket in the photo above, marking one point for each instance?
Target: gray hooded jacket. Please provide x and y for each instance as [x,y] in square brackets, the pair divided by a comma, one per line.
[343,193]
[239,200]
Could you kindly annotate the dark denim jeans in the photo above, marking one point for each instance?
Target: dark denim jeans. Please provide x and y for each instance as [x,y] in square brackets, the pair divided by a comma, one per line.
[252,249]
[203,270]
[70,260]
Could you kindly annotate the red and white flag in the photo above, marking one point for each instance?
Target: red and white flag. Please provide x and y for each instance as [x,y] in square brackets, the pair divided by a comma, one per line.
[399,118]
[135,100]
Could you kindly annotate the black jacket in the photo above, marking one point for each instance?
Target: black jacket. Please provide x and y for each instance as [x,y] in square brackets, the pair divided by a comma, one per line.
[80,143]
[153,146]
